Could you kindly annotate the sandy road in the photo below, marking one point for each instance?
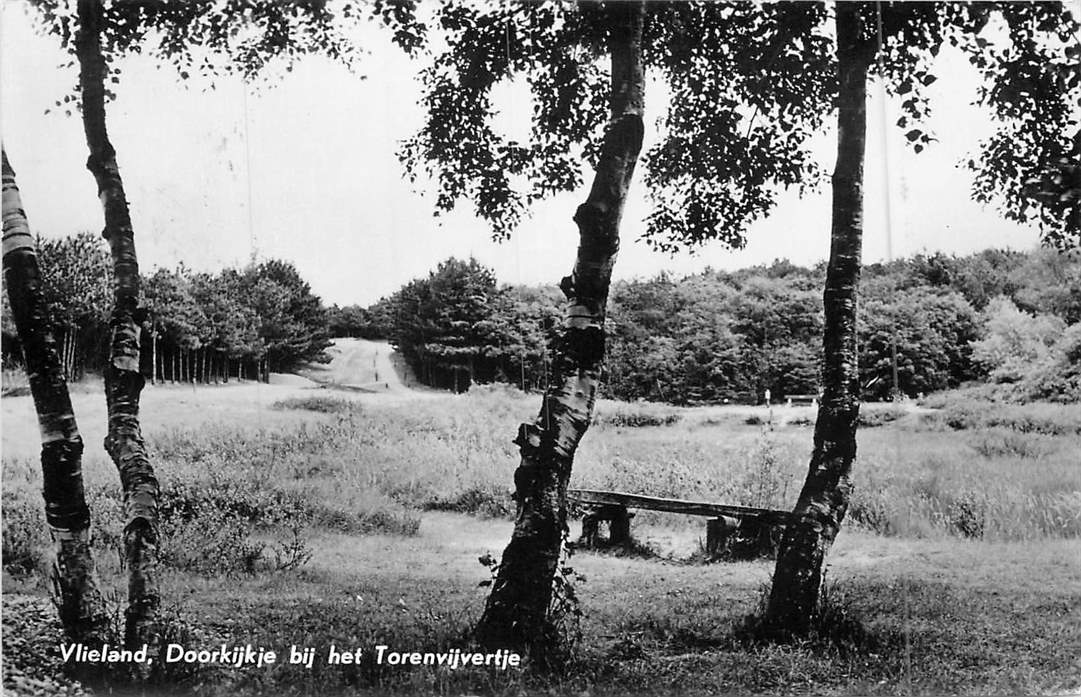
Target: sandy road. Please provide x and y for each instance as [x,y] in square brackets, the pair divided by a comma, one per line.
[362,364]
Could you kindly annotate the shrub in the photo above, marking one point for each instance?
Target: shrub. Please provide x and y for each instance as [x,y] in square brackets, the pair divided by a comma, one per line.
[870,418]
[487,501]
[323,404]
[203,538]
[967,515]
[635,415]
[764,483]
[1046,418]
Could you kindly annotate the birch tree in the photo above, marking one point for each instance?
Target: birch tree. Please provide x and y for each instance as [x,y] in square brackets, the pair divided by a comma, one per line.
[824,497]
[900,41]
[123,379]
[237,37]
[82,609]
[584,66]
[520,597]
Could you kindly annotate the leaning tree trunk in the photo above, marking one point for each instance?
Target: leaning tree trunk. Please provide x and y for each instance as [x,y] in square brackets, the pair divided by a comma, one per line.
[824,499]
[516,611]
[82,610]
[123,380]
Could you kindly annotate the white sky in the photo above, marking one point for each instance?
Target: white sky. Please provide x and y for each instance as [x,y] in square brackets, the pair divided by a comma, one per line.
[305,169]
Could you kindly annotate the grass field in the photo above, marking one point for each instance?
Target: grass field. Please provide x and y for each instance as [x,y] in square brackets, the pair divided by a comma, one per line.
[312,517]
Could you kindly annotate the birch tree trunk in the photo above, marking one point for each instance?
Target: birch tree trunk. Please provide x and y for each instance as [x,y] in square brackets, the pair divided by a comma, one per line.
[153,356]
[516,611]
[824,498]
[76,366]
[123,380]
[82,610]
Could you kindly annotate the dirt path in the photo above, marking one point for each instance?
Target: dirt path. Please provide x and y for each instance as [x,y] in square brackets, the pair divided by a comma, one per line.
[364,365]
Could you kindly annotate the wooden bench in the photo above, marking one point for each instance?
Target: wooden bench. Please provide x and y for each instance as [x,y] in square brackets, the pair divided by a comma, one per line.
[731,531]
[809,400]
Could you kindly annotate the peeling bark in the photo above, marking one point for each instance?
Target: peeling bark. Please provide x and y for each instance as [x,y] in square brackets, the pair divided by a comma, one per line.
[82,609]
[824,498]
[123,380]
[517,608]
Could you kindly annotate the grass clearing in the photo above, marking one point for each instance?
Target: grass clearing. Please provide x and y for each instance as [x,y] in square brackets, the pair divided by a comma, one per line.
[337,519]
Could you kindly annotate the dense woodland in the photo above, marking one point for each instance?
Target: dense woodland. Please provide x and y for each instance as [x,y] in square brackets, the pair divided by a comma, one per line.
[198,326]
[1005,317]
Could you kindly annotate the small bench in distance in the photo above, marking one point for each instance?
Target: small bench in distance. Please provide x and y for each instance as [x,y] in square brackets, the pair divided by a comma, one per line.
[802,400]
[732,532]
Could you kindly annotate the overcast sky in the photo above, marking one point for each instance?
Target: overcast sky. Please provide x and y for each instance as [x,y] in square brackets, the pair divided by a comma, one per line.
[305,169]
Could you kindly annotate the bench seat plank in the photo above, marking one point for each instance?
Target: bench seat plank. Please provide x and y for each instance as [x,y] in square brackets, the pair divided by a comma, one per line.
[592,497]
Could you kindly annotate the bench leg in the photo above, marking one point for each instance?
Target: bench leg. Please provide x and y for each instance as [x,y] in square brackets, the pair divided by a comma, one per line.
[619,526]
[717,533]
[589,530]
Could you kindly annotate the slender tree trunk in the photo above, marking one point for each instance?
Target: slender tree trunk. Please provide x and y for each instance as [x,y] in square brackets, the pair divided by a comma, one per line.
[123,381]
[153,356]
[82,610]
[64,360]
[824,499]
[65,355]
[516,611]
[76,363]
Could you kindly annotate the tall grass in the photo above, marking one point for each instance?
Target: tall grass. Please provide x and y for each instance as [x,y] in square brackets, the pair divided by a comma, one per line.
[972,470]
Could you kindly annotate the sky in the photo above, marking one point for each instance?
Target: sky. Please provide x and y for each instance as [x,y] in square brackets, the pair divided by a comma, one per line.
[305,169]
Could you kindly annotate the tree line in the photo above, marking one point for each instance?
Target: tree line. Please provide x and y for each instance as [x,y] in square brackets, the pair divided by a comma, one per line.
[196,327]
[718,337]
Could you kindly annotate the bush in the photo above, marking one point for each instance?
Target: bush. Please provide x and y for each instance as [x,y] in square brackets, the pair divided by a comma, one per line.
[490,502]
[635,415]
[967,515]
[1045,418]
[323,404]
[871,418]
[764,483]
[211,543]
